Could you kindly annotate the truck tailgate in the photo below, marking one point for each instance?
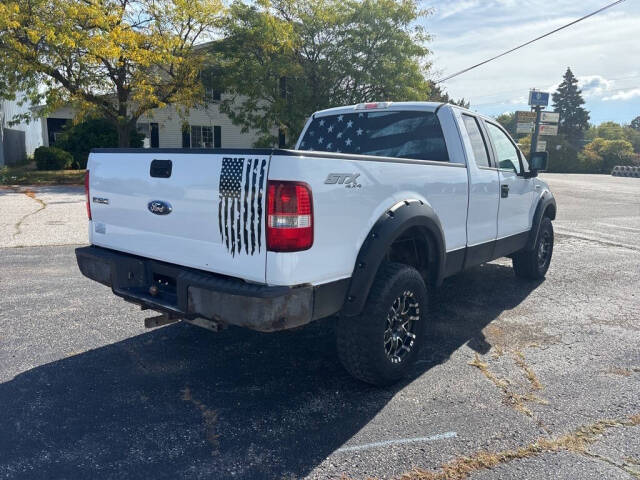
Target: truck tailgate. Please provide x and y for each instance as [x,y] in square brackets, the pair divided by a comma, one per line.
[202,210]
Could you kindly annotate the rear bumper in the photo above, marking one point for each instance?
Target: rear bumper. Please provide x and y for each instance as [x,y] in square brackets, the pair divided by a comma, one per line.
[191,293]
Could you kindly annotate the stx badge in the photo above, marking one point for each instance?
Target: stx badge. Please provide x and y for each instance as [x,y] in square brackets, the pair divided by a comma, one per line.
[349,180]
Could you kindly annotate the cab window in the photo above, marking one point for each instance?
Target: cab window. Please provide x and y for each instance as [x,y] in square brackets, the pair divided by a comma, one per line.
[506,151]
[386,133]
[480,152]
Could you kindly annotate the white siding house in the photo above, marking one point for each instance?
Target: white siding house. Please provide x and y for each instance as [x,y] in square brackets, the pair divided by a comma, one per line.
[201,127]
[17,141]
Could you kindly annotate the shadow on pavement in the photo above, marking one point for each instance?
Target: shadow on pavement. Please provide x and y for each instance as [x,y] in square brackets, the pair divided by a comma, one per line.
[181,401]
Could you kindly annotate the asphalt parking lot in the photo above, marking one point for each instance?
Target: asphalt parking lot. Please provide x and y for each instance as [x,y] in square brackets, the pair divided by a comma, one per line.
[523,379]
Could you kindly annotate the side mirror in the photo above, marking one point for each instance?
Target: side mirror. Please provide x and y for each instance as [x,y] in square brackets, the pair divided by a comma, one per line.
[539,162]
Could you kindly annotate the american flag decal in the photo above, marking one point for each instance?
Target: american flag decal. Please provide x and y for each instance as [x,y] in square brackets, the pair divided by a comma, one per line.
[241,192]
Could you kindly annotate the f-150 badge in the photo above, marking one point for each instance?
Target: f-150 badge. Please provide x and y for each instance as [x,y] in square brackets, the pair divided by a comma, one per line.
[349,180]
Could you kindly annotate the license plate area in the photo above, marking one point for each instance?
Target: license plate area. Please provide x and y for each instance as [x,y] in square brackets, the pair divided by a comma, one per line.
[148,280]
[165,286]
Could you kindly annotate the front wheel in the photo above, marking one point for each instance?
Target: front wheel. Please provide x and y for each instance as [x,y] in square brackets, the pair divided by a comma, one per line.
[380,345]
[535,263]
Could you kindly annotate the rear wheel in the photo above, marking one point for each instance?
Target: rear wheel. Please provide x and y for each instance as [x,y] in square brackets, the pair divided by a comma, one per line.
[535,263]
[380,345]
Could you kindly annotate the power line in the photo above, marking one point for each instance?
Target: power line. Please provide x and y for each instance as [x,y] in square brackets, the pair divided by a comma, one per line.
[606,92]
[503,92]
[530,41]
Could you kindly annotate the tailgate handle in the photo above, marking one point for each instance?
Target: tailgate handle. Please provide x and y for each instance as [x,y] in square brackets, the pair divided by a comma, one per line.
[160,168]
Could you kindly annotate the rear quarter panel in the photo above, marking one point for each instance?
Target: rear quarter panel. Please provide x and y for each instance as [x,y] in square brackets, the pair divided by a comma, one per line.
[344,216]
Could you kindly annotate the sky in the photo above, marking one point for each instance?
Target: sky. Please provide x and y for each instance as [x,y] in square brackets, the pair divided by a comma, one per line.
[602,51]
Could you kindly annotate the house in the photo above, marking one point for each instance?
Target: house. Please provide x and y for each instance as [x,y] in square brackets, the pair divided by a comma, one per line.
[202,127]
[17,141]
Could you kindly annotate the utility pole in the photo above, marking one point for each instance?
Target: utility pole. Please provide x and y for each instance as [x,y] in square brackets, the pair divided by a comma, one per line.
[536,131]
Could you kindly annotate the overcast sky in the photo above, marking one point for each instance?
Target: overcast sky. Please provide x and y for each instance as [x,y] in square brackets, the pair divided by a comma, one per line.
[603,52]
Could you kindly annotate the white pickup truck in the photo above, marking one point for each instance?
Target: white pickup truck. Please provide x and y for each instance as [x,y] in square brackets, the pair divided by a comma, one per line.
[378,203]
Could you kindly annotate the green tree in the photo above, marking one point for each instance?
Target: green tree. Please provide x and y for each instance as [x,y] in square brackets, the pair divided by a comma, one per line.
[563,156]
[438,94]
[80,138]
[524,144]
[635,123]
[602,155]
[568,102]
[615,131]
[510,123]
[284,59]
[116,58]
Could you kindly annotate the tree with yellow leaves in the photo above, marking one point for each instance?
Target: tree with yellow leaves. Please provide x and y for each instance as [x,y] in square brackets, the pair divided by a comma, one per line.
[115,58]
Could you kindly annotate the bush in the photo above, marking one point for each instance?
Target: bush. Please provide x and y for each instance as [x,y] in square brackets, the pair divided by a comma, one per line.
[79,139]
[600,156]
[52,158]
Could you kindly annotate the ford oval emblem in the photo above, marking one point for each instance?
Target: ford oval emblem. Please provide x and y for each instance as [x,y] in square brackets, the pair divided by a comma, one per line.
[159,207]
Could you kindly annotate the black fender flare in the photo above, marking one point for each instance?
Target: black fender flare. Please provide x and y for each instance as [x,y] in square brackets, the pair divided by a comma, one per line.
[391,224]
[547,203]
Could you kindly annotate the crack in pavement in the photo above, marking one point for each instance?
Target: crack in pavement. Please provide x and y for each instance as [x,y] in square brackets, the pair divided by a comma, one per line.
[577,442]
[624,466]
[593,240]
[32,195]
[510,396]
[209,418]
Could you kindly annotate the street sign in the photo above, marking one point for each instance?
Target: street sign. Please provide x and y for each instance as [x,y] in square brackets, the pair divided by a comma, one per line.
[524,127]
[538,99]
[525,117]
[542,146]
[548,129]
[550,117]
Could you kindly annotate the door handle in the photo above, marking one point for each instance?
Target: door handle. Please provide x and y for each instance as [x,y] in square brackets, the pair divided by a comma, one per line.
[504,191]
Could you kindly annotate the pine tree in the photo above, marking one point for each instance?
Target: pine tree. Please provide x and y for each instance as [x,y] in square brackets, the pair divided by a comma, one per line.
[568,101]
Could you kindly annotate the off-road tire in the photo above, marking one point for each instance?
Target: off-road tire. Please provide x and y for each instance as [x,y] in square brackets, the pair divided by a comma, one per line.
[533,264]
[361,339]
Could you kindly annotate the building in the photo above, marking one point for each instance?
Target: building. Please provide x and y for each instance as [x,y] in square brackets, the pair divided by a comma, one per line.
[17,141]
[202,127]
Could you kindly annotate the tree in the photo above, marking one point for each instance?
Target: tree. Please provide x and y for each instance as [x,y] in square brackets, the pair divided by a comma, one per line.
[602,155]
[635,123]
[116,58]
[615,131]
[438,94]
[510,123]
[563,156]
[284,59]
[525,145]
[80,138]
[568,101]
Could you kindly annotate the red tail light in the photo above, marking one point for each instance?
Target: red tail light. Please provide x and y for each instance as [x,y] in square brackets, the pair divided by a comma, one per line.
[289,216]
[86,192]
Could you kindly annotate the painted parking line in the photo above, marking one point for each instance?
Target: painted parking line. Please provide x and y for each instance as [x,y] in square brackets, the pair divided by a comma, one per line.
[400,441]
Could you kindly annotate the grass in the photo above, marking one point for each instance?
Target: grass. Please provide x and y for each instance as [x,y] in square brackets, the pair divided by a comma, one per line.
[27,175]
[578,441]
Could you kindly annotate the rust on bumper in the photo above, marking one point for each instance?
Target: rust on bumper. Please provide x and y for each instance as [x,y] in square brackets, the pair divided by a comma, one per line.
[190,293]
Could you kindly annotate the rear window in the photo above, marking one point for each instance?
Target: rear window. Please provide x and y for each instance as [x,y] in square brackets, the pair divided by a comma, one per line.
[414,135]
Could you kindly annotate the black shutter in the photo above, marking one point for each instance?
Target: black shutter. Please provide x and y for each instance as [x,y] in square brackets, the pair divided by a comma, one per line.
[217,136]
[186,136]
[155,135]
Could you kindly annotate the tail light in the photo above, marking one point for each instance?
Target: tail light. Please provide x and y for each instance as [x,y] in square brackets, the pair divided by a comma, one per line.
[289,216]
[86,192]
